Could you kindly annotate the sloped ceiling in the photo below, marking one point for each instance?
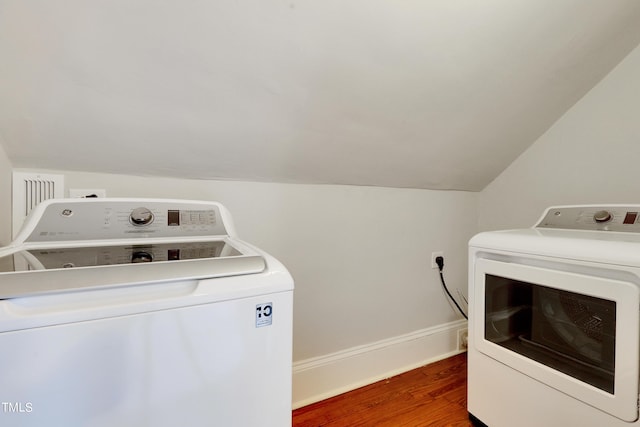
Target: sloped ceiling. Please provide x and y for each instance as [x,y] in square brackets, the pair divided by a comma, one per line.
[440,94]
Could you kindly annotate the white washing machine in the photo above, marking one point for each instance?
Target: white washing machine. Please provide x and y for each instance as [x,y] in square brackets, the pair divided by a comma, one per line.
[123,312]
[554,321]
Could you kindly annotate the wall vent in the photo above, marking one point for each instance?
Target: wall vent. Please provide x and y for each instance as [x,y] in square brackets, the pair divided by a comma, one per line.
[29,189]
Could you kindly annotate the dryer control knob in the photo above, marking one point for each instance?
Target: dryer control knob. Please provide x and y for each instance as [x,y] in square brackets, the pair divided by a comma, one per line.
[141,216]
[602,216]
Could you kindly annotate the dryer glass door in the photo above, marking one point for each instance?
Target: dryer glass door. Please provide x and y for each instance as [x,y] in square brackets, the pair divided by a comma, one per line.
[577,333]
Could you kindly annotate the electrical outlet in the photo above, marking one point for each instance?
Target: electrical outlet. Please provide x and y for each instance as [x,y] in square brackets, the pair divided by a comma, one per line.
[435,255]
[76,193]
[463,339]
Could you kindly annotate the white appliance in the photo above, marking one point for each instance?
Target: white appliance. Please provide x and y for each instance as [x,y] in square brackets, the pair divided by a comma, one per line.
[554,321]
[142,312]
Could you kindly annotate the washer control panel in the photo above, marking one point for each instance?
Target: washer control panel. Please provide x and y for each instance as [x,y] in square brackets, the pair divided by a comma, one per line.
[98,219]
[600,218]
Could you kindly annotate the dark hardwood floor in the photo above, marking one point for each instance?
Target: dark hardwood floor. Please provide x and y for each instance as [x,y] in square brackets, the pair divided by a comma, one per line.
[433,395]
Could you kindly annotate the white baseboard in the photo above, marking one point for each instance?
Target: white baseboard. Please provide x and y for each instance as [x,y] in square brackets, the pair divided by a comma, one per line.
[326,376]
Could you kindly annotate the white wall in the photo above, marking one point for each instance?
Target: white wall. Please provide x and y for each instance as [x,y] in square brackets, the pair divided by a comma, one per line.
[5,197]
[590,155]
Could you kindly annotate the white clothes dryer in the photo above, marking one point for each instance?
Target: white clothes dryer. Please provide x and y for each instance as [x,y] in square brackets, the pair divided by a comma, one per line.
[554,332]
[142,312]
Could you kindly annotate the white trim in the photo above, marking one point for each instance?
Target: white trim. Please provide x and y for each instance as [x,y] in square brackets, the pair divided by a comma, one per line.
[326,376]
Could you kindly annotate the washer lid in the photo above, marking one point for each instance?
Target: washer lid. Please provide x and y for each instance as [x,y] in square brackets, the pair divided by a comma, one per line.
[44,270]
[132,252]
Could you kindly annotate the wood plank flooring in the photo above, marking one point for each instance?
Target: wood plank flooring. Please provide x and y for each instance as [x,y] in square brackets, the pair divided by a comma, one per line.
[433,395]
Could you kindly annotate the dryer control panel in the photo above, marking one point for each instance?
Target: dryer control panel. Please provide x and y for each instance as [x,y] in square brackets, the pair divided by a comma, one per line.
[60,220]
[592,217]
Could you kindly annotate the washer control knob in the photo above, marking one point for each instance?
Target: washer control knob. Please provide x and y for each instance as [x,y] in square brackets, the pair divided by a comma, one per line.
[141,216]
[602,216]
[138,257]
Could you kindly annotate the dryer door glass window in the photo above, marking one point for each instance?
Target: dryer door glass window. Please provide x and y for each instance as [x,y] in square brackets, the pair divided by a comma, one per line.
[567,331]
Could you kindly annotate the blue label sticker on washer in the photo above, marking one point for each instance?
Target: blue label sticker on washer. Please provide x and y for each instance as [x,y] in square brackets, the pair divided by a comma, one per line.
[264,314]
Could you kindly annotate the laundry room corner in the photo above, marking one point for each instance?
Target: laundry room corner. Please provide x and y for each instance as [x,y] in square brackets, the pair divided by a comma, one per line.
[328,172]
[365,291]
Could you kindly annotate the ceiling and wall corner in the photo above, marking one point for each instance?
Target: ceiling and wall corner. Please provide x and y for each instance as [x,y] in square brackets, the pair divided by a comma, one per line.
[588,156]
[436,94]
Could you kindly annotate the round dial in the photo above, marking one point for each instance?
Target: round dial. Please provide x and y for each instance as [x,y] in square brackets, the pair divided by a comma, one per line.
[141,256]
[602,216]
[141,216]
